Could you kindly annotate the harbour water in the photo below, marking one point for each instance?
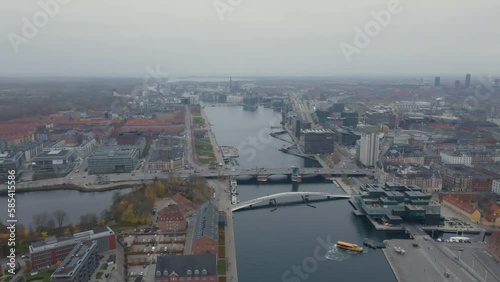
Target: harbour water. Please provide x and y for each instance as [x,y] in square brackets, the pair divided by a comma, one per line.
[272,243]
[74,203]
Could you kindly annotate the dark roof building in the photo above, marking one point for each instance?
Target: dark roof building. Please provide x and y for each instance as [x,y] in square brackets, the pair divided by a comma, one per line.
[186,267]
[79,265]
[206,232]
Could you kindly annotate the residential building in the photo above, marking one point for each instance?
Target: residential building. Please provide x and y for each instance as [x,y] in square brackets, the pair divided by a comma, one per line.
[369,149]
[395,203]
[171,219]
[166,159]
[317,141]
[174,268]
[381,116]
[463,178]
[82,149]
[29,149]
[404,154]
[54,162]
[10,161]
[79,264]
[493,246]
[53,249]
[410,174]
[462,208]
[454,157]
[113,159]
[206,232]
[495,186]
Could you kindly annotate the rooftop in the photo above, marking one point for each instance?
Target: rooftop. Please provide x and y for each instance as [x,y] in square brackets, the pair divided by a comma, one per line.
[207,222]
[73,261]
[459,204]
[51,242]
[186,265]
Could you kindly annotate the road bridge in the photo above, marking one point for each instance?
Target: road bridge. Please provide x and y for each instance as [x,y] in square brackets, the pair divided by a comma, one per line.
[255,172]
[249,203]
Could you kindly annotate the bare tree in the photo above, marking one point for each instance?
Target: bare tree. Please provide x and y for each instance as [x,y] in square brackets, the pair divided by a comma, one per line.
[41,221]
[88,221]
[60,217]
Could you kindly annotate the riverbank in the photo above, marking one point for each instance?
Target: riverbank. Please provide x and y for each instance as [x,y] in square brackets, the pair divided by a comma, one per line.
[74,187]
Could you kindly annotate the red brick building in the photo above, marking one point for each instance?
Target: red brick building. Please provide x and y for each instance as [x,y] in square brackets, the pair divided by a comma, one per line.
[171,219]
[51,250]
[494,244]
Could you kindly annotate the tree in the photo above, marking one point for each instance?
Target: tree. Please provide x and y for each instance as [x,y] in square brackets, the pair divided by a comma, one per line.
[88,221]
[60,217]
[41,221]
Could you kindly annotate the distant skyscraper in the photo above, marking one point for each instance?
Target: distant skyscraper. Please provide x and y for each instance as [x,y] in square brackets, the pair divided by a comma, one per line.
[457,83]
[231,85]
[437,81]
[467,80]
[497,82]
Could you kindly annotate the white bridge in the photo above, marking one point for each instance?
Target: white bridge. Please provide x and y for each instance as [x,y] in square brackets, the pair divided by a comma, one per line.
[249,203]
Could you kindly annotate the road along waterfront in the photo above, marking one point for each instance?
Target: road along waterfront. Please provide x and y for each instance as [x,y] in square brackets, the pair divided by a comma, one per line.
[281,244]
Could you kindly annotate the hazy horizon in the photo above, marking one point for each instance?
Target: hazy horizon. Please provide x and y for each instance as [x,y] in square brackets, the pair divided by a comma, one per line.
[121,38]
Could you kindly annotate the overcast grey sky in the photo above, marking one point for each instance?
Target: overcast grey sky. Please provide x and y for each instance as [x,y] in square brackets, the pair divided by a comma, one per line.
[258,37]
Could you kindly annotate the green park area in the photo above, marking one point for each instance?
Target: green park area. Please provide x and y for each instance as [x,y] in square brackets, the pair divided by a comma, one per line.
[205,150]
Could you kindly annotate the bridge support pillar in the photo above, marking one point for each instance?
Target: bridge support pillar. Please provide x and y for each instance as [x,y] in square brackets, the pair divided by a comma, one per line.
[262,178]
[296,177]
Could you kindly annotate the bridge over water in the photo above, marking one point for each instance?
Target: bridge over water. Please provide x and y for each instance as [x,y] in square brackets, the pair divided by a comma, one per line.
[262,174]
[272,197]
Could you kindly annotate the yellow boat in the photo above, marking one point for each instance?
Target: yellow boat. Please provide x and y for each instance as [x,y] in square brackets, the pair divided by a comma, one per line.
[349,246]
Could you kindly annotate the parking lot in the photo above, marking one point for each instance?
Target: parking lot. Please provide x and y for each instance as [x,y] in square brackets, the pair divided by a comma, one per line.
[144,248]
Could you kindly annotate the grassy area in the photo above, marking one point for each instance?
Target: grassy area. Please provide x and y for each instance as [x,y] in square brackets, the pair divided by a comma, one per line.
[104,266]
[207,153]
[207,161]
[124,227]
[205,141]
[45,277]
[99,275]
[221,266]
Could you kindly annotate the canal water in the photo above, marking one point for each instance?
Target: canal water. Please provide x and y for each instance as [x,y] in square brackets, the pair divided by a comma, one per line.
[272,243]
[74,203]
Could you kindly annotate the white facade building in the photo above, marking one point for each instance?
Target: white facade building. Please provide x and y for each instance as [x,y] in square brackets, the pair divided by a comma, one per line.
[496,186]
[369,149]
[450,157]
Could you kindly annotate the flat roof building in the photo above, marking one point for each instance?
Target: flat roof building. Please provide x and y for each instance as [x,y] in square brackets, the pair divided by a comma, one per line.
[317,141]
[54,162]
[113,159]
[404,202]
[79,265]
[52,249]
[10,161]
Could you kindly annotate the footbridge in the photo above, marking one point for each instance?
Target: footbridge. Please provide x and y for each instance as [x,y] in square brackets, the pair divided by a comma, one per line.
[273,197]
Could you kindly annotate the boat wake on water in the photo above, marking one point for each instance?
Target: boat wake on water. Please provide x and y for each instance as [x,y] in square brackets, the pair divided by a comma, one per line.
[336,254]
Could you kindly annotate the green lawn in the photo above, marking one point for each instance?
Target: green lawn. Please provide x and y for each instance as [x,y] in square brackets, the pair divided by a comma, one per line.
[104,266]
[221,266]
[203,142]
